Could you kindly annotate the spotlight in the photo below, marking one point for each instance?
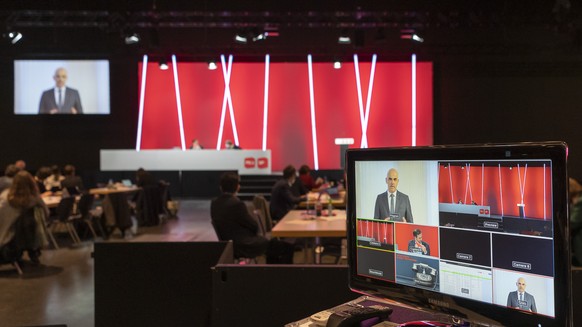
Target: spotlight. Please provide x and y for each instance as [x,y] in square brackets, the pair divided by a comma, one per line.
[212,65]
[241,38]
[344,37]
[164,65]
[132,38]
[337,64]
[411,35]
[13,36]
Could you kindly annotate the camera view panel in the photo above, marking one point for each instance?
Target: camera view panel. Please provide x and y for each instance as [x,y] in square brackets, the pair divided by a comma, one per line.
[465,246]
[525,254]
[375,234]
[466,281]
[417,239]
[526,292]
[399,191]
[512,196]
[376,264]
[417,271]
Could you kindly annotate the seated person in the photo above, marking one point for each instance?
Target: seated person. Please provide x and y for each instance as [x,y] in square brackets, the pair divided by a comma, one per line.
[417,245]
[144,178]
[6,180]
[233,221]
[307,180]
[20,197]
[72,183]
[282,198]
[41,175]
[196,145]
[53,182]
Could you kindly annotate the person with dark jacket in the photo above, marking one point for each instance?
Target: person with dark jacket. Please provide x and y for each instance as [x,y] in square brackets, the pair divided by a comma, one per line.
[282,198]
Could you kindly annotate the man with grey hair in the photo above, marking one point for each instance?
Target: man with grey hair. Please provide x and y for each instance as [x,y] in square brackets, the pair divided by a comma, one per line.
[393,205]
[60,99]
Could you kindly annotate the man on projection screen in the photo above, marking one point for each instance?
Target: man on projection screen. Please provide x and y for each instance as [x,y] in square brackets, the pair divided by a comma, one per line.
[60,99]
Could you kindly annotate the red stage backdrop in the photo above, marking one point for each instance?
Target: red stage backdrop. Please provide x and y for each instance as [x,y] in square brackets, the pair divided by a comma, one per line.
[484,188]
[289,129]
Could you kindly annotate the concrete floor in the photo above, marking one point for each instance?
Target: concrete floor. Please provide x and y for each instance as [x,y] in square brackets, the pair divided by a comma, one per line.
[61,289]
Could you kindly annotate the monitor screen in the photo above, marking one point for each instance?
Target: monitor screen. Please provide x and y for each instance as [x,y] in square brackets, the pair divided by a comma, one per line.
[61,87]
[478,233]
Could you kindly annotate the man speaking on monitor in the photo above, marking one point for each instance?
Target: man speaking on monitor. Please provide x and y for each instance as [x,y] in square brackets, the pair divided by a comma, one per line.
[60,99]
[520,299]
[393,205]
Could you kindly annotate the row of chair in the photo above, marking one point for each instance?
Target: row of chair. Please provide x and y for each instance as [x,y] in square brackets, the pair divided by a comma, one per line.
[66,216]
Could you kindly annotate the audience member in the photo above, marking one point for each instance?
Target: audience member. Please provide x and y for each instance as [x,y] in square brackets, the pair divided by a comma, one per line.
[53,182]
[6,180]
[144,178]
[196,145]
[20,197]
[575,190]
[20,164]
[282,198]
[233,221]
[307,180]
[71,182]
[231,146]
[41,175]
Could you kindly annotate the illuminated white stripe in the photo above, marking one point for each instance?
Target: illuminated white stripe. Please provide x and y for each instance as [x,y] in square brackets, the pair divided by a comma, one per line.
[500,190]
[312,104]
[364,114]
[413,100]
[482,183]
[144,70]
[364,141]
[544,191]
[451,183]
[229,98]
[179,102]
[224,101]
[266,102]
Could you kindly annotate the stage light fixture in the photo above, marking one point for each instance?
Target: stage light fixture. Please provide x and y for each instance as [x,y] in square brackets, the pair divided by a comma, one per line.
[241,38]
[411,34]
[132,38]
[212,65]
[13,36]
[344,37]
[164,65]
[337,64]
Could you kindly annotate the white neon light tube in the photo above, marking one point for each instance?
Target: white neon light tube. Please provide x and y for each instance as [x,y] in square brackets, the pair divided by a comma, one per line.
[369,98]
[312,104]
[413,100]
[144,70]
[229,98]
[364,141]
[179,102]
[224,101]
[266,102]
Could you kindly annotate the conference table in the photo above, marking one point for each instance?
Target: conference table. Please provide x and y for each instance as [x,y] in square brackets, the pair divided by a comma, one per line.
[304,224]
[115,206]
[338,201]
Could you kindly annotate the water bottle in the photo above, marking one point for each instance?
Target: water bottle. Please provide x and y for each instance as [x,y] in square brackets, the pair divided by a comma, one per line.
[318,208]
[329,208]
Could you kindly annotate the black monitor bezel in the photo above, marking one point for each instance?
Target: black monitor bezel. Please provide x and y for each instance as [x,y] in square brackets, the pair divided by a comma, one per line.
[458,307]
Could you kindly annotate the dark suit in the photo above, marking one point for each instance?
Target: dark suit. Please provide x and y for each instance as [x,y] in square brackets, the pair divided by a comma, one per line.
[282,199]
[528,303]
[232,221]
[73,182]
[402,204]
[48,102]
[412,247]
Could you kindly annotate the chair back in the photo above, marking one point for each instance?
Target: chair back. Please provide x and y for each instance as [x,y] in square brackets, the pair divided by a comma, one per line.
[85,204]
[262,207]
[65,208]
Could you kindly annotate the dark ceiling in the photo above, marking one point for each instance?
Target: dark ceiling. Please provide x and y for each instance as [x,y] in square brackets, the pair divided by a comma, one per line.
[198,29]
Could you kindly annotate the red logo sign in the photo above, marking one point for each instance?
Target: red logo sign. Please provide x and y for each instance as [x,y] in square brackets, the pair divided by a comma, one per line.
[263,163]
[250,162]
[481,211]
[486,211]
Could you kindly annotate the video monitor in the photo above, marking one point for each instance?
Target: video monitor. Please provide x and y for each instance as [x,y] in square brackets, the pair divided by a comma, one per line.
[474,233]
[50,87]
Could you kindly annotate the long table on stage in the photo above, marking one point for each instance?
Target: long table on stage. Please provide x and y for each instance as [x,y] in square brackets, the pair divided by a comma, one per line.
[244,161]
[301,224]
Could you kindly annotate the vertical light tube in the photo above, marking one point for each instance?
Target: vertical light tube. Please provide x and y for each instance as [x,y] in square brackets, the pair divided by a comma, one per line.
[144,70]
[369,98]
[451,183]
[364,141]
[179,102]
[229,98]
[500,190]
[413,99]
[312,104]
[266,102]
[544,191]
[482,183]
[223,112]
